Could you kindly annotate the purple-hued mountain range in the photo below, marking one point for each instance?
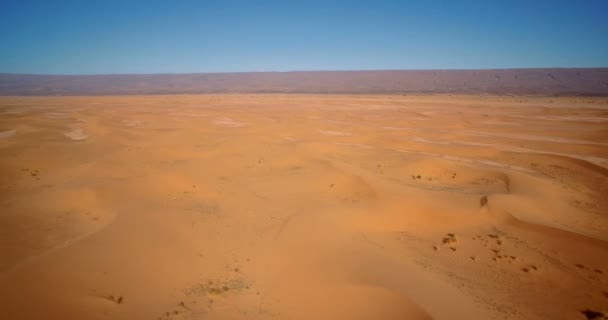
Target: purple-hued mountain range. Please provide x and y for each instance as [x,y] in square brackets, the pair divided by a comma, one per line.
[552,81]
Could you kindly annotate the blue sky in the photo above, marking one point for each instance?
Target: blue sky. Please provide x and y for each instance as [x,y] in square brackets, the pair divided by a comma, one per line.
[111,36]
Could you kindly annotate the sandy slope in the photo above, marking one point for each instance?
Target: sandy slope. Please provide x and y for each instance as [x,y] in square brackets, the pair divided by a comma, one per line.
[303,207]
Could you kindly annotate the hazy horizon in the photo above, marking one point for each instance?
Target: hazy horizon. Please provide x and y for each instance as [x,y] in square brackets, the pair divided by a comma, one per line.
[292,71]
[565,81]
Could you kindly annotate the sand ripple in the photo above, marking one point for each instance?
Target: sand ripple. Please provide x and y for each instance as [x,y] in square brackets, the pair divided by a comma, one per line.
[132,123]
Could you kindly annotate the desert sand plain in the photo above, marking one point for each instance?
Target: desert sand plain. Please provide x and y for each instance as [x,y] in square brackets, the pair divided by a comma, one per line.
[303,207]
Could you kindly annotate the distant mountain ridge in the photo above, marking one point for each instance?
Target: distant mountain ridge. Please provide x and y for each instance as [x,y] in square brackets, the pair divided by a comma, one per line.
[548,81]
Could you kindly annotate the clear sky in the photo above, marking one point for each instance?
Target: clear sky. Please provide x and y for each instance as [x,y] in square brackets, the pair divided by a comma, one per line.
[148,36]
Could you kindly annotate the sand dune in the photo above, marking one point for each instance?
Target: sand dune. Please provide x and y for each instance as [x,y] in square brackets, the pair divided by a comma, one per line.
[303,207]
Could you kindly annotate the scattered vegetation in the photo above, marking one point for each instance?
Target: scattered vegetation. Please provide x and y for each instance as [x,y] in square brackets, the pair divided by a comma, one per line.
[450,238]
[118,300]
[219,287]
[483,201]
[593,315]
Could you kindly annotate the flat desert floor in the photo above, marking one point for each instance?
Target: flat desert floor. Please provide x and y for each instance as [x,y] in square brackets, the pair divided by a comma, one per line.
[303,207]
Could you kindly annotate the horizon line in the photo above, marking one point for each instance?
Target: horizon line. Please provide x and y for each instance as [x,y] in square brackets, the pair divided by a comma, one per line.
[291,71]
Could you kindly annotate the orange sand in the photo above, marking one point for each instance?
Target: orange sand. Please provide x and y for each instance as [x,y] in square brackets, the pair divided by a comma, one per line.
[303,207]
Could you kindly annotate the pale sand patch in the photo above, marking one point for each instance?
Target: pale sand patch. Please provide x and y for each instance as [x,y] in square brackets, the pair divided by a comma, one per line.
[56,115]
[335,133]
[8,133]
[77,134]
[132,123]
[227,122]
[424,140]
[396,128]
